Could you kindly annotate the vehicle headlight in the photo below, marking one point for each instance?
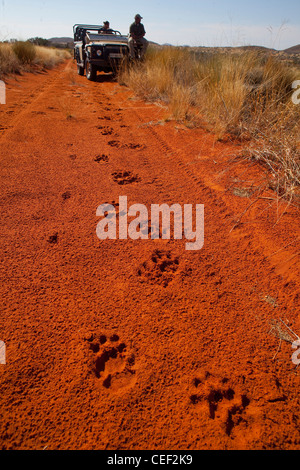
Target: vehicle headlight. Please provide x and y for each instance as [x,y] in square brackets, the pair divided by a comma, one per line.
[99,53]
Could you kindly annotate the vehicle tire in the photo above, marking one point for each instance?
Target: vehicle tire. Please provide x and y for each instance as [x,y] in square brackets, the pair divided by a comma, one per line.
[80,70]
[90,70]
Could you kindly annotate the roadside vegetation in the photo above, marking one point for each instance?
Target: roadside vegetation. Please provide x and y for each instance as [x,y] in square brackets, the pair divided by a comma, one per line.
[244,95]
[22,56]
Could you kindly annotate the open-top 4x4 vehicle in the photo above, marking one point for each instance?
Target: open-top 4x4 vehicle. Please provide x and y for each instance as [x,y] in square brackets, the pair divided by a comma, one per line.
[97,51]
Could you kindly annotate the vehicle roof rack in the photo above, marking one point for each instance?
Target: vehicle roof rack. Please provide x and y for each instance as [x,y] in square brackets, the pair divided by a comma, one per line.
[86,26]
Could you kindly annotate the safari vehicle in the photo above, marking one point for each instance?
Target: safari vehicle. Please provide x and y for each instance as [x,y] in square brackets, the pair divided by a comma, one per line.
[97,51]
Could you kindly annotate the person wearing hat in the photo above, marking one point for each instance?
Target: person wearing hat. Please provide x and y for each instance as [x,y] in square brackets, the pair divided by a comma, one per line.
[137,33]
[105,28]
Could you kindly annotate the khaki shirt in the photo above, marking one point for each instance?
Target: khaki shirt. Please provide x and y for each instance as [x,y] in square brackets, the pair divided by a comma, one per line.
[137,29]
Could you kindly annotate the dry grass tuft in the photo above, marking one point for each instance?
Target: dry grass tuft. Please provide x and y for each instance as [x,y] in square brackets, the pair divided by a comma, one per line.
[243,95]
[9,62]
[25,56]
[25,51]
[50,57]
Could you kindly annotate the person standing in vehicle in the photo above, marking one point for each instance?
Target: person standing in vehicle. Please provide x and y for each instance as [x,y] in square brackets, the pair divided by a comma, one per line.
[137,33]
[105,28]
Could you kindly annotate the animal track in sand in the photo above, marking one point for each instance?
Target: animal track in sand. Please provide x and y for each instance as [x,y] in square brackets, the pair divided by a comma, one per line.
[111,362]
[105,118]
[116,211]
[217,398]
[66,195]
[101,158]
[53,238]
[135,146]
[4,128]
[159,269]
[130,146]
[105,130]
[125,177]
[115,143]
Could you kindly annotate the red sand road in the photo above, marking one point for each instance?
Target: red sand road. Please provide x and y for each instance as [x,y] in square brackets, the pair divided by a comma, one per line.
[123,344]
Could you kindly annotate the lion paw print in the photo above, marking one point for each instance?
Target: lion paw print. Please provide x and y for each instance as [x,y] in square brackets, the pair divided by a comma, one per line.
[218,399]
[111,362]
[159,269]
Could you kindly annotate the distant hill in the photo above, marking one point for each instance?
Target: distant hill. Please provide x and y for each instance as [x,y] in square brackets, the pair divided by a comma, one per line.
[61,40]
[69,42]
[255,48]
[293,50]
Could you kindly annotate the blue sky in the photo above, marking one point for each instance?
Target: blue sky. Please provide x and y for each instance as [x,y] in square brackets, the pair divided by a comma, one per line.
[273,23]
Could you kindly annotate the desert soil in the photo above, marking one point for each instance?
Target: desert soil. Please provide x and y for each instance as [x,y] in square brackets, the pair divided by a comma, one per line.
[138,344]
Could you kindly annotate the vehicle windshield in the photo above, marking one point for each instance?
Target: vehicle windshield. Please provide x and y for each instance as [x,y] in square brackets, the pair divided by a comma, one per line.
[101,36]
